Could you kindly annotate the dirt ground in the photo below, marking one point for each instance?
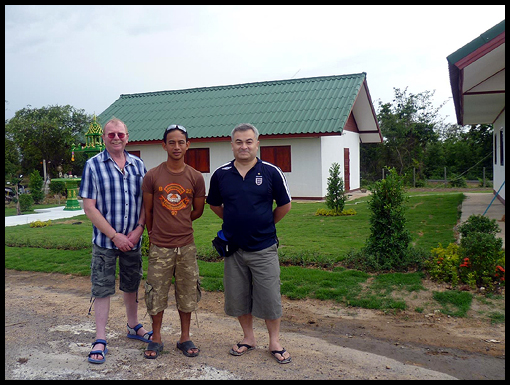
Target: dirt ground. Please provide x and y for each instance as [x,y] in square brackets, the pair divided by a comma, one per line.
[48,335]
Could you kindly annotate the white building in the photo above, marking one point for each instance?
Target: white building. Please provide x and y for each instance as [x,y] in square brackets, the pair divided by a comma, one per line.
[305,125]
[477,77]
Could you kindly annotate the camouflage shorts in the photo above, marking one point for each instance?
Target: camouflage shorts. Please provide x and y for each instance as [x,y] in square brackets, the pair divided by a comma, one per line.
[164,264]
[103,267]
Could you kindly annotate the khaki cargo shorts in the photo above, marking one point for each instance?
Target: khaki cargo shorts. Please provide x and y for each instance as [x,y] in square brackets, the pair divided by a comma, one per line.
[164,264]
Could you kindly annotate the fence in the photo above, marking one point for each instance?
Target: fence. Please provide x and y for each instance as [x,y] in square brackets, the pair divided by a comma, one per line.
[445,180]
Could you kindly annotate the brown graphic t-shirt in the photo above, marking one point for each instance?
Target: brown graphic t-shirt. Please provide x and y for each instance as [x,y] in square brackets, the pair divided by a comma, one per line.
[172,203]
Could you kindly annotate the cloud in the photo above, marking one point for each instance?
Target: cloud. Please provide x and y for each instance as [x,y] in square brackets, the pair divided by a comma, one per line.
[87,55]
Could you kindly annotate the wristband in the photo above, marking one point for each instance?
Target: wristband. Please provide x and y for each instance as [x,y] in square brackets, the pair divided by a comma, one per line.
[111,239]
[139,224]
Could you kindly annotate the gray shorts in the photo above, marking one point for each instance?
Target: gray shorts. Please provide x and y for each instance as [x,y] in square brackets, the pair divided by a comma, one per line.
[252,284]
[103,267]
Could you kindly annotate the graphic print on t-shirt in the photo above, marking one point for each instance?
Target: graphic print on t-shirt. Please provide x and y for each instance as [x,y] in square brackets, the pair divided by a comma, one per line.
[176,197]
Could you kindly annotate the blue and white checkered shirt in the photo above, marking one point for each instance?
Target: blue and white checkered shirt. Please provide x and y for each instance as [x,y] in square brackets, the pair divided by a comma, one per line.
[118,196]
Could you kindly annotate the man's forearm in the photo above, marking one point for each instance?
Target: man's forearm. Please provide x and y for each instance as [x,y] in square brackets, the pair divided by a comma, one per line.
[97,219]
[280,212]
[218,210]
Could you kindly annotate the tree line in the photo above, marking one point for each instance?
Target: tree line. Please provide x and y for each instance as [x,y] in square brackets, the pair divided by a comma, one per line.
[416,140]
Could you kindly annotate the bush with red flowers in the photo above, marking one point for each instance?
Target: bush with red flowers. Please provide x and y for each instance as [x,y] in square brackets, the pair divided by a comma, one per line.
[478,261]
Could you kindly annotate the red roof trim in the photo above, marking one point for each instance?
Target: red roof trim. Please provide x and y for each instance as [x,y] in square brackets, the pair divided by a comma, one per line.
[483,50]
[373,111]
[262,137]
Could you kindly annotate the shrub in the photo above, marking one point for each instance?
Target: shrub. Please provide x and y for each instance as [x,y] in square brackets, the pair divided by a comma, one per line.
[335,198]
[458,182]
[444,264]
[335,213]
[488,183]
[40,224]
[412,259]
[478,261]
[479,224]
[420,183]
[36,184]
[389,240]
[25,202]
[480,253]
[57,187]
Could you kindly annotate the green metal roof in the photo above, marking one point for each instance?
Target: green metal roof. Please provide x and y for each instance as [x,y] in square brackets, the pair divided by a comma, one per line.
[476,43]
[295,106]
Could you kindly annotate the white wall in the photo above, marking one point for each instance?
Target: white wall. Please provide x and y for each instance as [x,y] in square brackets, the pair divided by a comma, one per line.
[311,159]
[305,178]
[352,142]
[498,169]
[154,154]
[333,151]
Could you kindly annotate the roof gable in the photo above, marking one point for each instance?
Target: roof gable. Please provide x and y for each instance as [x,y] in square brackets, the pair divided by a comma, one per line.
[477,77]
[319,105]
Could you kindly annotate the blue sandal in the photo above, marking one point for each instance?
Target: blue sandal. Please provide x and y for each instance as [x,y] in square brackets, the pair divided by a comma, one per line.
[133,333]
[101,352]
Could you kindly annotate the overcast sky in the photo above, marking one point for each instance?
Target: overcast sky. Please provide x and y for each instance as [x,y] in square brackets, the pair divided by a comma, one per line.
[88,55]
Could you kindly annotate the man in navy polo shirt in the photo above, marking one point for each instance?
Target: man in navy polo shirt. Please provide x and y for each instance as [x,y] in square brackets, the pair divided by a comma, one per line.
[242,192]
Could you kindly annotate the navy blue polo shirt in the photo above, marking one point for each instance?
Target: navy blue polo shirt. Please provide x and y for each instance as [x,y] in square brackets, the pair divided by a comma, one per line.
[248,203]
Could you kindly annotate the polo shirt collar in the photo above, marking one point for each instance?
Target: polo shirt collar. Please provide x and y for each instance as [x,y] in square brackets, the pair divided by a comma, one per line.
[234,167]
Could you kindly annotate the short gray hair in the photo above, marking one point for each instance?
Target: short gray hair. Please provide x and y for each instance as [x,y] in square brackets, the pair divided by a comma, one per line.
[245,127]
[115,120]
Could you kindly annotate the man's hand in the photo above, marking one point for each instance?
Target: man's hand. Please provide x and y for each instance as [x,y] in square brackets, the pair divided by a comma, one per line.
[134,236]
[123,242]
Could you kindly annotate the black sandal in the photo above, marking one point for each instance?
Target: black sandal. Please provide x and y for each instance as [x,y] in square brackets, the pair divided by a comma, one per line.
[154,347]
[185,346]
[281,352]
[239,345]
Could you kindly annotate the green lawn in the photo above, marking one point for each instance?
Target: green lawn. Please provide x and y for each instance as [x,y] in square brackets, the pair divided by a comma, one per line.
[306,241]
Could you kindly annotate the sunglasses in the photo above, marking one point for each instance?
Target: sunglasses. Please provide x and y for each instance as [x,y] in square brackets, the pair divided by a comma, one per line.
[176,126]
[121,135]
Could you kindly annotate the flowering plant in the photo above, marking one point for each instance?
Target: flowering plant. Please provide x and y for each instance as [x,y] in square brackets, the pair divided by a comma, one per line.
[476,262]
[443,266]
[500,273]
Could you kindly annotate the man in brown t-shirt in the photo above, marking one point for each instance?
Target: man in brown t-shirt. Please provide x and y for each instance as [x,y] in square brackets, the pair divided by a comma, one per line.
[173,196]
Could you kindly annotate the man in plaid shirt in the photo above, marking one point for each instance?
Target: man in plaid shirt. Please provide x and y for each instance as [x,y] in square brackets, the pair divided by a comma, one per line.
[111,189]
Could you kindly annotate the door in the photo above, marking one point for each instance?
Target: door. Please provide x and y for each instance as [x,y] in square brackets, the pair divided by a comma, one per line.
[347,179]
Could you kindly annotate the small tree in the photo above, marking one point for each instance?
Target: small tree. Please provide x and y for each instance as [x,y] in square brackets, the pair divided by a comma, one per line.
[388,243]
[35,184]
[335,198]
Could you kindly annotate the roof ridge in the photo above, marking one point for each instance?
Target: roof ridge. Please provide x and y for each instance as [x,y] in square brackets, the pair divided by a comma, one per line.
[251,84]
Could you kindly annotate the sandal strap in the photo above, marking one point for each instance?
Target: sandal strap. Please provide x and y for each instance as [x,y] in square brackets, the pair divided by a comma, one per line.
[135,329]
[94,352]
[147,335]
[99,341]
